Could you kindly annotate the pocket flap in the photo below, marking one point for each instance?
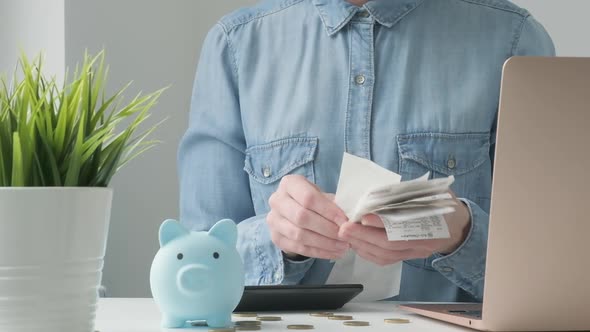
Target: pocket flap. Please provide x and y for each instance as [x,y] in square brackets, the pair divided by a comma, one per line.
[267,163]
[450,154]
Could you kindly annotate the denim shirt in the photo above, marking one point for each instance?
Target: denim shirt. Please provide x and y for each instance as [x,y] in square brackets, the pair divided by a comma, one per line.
[287,86]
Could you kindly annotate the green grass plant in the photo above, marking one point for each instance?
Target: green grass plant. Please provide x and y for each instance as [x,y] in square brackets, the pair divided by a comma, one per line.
[69,134]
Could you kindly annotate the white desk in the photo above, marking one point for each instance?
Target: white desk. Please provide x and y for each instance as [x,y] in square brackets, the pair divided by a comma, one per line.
[142,315]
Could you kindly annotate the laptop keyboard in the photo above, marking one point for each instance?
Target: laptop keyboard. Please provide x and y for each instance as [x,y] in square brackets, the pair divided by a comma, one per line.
[469,313]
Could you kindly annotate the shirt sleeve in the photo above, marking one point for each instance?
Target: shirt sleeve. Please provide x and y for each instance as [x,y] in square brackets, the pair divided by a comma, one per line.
[264,262]
[213,185]
[533,40]
[466,266]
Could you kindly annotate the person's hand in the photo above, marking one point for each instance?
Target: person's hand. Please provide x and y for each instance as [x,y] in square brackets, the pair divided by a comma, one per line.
[369,239]
[305,221]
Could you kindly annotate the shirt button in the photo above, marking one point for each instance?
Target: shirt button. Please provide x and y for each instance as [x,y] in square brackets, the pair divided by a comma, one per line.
[266,172]
[447,269]
[360,79]
[451,163]
[363,13]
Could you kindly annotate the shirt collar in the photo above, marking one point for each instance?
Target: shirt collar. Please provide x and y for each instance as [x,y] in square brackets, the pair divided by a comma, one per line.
[335,14]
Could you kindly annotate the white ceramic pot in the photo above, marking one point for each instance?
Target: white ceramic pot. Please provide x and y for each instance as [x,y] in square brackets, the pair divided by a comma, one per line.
[52,246]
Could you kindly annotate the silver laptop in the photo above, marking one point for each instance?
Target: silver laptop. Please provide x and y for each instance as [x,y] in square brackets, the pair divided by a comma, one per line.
[538,257]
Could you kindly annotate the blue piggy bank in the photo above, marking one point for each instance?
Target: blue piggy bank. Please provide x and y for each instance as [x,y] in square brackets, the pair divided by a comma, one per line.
[197,275]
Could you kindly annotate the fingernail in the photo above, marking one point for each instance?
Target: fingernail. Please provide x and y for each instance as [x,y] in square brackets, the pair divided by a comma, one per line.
[341,221]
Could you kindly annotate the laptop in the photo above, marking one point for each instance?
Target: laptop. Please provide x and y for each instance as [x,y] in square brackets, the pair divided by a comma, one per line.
[538,257]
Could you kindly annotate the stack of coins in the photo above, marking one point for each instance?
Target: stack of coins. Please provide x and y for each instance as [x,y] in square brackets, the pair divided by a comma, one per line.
[222,329]
[248,328]
[269,318]
[248,325]
[245,314]
[356,323]
[397,321]
[300,327]
[321,314]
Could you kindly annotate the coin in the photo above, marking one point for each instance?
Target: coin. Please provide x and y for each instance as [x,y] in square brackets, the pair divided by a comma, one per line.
[321,314]
[245,314]
[300,327]
[356,323]
[248,328]
[269,318]
[340,317]
[248,323]
[397,321]
[222,329]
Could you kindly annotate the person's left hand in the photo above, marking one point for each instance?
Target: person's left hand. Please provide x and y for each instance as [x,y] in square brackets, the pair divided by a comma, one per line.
[369,239]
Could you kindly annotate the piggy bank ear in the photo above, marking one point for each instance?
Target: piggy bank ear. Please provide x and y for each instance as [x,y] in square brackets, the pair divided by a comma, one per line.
[170,230]
[225,230]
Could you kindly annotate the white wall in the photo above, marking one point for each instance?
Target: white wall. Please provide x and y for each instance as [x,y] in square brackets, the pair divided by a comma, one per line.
[32,26]
[156,43]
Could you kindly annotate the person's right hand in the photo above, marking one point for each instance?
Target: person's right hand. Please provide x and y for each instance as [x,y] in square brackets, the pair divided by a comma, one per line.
[305,221]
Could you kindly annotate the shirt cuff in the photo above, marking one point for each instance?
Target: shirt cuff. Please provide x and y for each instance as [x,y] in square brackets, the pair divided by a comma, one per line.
[263,261]
[465,267]
[294,271]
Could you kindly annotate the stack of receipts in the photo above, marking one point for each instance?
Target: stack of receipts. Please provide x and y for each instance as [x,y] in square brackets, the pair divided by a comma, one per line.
[410,210]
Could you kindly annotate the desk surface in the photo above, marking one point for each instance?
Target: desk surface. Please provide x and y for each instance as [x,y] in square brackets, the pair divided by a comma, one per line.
[142,315]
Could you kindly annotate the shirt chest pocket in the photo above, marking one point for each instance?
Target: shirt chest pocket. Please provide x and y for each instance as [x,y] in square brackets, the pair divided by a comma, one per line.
[266,164]
[465,156]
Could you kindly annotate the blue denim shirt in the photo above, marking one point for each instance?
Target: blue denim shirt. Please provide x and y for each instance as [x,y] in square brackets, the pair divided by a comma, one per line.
[286,86]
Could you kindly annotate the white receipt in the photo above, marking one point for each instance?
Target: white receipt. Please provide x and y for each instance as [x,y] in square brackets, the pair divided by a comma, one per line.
[428,228]
[358,176]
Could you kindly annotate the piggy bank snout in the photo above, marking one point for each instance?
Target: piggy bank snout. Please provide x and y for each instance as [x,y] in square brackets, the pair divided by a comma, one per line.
[193,278]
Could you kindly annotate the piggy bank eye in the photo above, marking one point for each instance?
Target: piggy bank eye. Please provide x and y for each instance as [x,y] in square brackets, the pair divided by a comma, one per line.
[216,255]
[179,256]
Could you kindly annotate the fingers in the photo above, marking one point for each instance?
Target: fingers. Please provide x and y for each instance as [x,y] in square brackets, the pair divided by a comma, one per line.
[357,231]
[372,220]
[378,237]
[309,238]
[311,198]
[288,245]
[381,261]
[391,259]
[303,218]
[367,247]
[382,256]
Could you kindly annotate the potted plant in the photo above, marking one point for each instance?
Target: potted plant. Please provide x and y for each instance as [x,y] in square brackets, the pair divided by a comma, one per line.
[60,145]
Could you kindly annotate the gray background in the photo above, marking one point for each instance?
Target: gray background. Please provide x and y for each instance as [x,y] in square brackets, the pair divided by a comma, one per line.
[29,26]
[156,44]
